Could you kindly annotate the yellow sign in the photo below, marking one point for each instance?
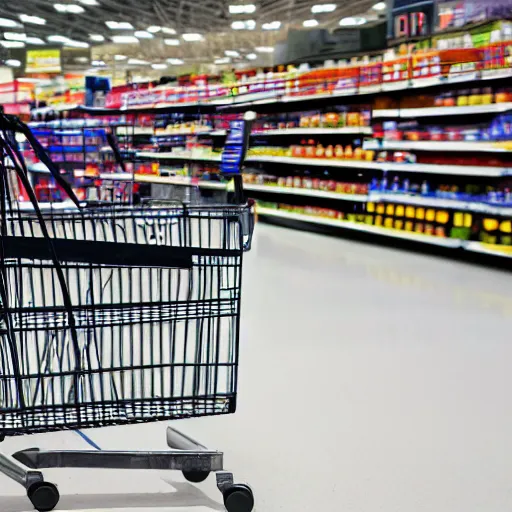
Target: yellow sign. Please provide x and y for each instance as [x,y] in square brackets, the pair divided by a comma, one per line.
[43,61]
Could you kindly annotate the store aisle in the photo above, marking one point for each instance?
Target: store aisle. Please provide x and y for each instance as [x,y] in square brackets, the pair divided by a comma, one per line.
[371,380]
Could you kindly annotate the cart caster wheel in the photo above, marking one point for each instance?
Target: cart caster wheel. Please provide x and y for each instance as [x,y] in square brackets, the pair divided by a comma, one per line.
[238,498]
[43,495]
[196,477]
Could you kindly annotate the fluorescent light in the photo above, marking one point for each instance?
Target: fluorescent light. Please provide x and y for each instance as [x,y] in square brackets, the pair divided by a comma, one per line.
[243,25]
[143,34]
[224,60]
[125,39]
[4,22]
[71,8]
[98,63]
[350,21]
[175,62]
[231,53]
[15,36]
[120,57]
[159,66]
[96,37]
[137,62]
[264,49]
[310,23]
[323,8]
[35,20]
[192,37]
[119,25]
[89,2]
[273,25]
[251,56]
[14,63]
[57,39]
[12,44]
[242,9]
[380,6]
[172,42]
[168,31]
[34,40]
[154,29]
[76,44]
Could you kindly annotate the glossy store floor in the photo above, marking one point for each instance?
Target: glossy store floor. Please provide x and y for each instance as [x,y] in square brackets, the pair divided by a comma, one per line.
[371,380]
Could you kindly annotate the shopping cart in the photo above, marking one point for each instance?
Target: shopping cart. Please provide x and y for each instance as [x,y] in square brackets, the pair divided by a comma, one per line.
[112,316]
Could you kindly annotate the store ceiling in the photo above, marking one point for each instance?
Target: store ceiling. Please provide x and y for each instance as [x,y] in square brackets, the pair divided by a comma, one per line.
[85,21]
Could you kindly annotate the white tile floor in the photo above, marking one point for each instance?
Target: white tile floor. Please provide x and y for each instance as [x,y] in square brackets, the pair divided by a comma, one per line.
[371,380]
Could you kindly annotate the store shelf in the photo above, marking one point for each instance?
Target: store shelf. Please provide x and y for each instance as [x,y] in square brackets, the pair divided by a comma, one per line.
[492,250]
[306,192]
[183,133]
[442,111]
[179,180]
[437,146]
[365,228]
[176,156]
[437,202]
[459,170]
[137,130]
[349,130]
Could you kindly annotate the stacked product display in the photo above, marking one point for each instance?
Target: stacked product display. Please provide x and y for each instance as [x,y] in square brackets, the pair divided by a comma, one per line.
[415,146]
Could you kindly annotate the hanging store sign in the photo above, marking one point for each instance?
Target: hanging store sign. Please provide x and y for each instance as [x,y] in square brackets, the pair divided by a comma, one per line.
[43,61]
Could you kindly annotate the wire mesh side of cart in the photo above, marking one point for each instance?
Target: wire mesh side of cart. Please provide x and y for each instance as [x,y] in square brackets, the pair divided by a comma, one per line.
[136,319]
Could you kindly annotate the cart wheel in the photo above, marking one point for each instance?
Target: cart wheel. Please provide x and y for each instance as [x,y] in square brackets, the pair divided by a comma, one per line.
[196,477]
[43,495]
[238,498]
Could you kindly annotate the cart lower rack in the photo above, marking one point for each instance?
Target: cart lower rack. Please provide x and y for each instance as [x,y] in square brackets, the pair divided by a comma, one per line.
[114,316]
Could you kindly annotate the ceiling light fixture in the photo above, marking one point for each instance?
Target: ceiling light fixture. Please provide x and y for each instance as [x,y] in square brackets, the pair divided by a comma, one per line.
[6,23]
[120,57]
[96,37]
[57,39]
[242,9]
[34,40]
[273,25]
[223,60]
[323,8]
[15,36]
[264,49]
[76,44]
[168,31]
[125,39]
[143,34]
[175,62]
[231,53]
[70,8]
[352,21]
[309,23]
[98,63]
[138,62]
[243,25]
[35,20]
[159,66]
[172,42]
[119,25]
[12,44]
[14,63]
[192,37]
[251,56]
[154,29]
[379,6]
[89,2]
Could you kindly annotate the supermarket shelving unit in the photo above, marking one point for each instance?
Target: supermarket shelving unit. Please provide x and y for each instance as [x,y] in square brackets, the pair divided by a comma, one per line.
[287,101]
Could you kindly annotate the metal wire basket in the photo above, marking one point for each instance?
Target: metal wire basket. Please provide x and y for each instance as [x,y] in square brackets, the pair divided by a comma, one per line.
[118,315]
